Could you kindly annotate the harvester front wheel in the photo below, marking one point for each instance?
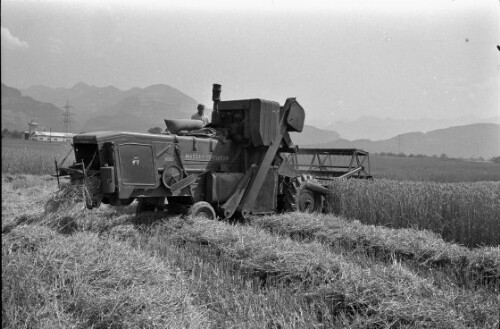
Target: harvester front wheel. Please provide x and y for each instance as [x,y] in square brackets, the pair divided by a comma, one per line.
[202,209]
[299,198]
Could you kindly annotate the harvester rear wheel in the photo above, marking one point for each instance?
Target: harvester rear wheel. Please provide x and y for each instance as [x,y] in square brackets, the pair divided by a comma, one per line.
[202,209]
[298,198]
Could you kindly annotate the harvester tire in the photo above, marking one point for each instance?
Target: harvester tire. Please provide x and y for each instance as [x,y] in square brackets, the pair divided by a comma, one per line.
[202,209]
[299,198]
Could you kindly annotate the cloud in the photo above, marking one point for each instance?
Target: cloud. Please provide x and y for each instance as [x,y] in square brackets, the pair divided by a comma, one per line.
[12,42]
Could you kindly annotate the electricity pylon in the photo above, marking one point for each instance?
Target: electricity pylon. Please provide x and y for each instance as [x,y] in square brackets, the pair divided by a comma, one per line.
[67,116]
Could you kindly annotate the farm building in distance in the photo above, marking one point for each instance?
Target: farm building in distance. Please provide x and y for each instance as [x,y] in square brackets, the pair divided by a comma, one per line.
[48,136]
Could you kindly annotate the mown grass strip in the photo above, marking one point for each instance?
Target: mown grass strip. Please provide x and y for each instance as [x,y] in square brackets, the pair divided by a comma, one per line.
[425,249]
[371,295]
[234,299]
[54,281]
[29,199]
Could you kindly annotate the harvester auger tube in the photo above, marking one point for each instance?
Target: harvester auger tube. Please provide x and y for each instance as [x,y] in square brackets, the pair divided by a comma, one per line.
[315,187]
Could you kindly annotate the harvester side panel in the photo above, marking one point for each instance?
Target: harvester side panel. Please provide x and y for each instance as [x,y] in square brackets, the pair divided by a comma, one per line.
[165,155]
[221,186]
[137,165]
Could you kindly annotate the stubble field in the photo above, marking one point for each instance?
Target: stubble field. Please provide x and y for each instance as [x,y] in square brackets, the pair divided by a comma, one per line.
[64,266]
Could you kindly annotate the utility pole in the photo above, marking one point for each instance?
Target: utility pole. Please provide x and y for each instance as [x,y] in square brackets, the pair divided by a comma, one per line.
[67,116]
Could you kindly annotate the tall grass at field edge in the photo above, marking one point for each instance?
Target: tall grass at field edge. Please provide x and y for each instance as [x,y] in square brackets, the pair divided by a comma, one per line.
[34,158]
[465,213]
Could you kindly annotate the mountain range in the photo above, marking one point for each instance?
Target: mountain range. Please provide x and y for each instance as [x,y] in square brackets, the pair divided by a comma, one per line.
[136,109]
[374,128]
[139,109]
[18,110]
[475,140]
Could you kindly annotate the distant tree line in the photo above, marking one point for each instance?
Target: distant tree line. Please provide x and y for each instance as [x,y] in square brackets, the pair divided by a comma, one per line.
[155,130]
[443,156]
[6,133]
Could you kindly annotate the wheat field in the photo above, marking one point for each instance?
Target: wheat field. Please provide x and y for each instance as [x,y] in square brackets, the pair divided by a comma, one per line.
[377,260]
[466,213]
[33,157]
[66,266]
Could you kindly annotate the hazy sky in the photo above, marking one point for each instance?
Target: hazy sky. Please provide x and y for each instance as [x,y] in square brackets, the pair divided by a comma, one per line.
[341,59]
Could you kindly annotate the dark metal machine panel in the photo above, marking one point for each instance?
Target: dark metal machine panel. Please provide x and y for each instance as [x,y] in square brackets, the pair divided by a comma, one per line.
[88,155]
[137,164]
[165,155]
[234,105]
[267,197]
[263,123]
[220,186]
[108,179]
[202,154]
[296,115]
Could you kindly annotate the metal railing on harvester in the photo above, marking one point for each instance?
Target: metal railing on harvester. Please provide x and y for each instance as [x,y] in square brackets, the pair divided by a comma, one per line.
[330,164]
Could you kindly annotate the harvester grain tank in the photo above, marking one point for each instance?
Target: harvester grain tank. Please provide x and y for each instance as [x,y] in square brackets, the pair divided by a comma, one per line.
[242,163]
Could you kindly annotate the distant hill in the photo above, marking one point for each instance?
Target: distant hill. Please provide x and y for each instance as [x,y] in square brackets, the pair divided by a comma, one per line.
[374,128]
[313,135]
[482,139]
[87,101]
[18,110]
[142,109]
[136,109]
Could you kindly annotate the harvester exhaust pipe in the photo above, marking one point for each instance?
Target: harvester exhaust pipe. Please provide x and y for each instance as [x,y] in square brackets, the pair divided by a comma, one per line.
[216,89]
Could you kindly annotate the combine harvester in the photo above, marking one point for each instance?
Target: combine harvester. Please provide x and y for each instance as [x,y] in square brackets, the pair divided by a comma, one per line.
[243,163]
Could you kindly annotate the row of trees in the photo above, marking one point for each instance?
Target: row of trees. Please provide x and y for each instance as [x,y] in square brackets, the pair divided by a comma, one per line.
[155,130]
[12,134]
[403,155]
[442,156]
